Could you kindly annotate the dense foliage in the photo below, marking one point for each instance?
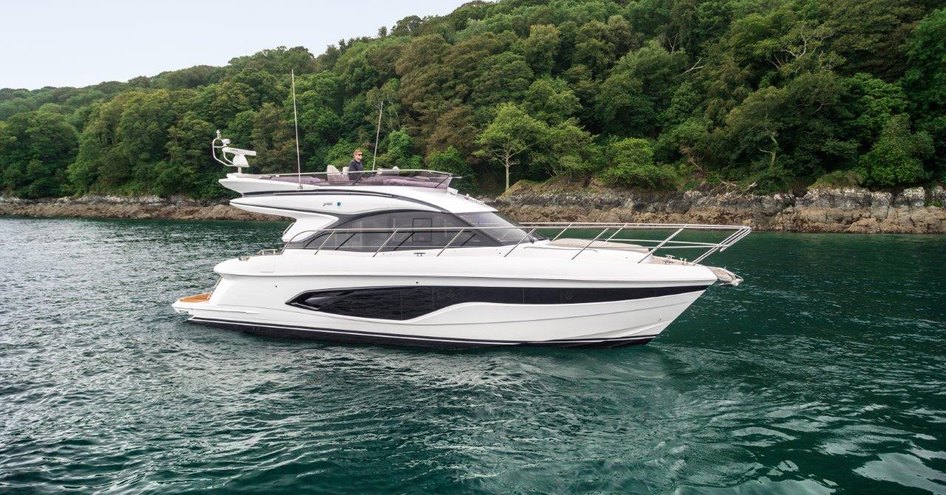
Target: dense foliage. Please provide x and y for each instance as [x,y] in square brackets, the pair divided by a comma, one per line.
[659,94]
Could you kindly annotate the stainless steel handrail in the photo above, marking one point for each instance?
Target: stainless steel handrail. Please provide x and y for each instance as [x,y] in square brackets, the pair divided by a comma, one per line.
[451,242]
[662,243]
[528,235]
[385,243]
[649,246]
[564,229]
[591,242]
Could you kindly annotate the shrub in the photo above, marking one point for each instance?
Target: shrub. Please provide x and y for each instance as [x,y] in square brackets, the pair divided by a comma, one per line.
[632,165]
[770,179]
[573,167]
[839,179]
[172,178]
[897,156]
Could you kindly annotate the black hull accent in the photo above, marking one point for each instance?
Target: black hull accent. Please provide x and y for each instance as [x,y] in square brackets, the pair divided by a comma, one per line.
[350,337]
[406,303]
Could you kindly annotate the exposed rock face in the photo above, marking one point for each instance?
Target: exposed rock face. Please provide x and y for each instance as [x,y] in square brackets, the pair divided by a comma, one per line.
[820,210]
[131,208]
[826,210]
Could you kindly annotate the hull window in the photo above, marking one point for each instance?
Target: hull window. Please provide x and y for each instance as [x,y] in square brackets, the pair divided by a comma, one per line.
[404,303]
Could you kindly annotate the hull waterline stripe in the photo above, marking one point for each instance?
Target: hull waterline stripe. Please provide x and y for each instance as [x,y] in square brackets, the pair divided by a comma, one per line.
[373,337]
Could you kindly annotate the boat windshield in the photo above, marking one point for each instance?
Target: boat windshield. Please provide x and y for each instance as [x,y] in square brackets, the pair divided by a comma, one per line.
[498,227]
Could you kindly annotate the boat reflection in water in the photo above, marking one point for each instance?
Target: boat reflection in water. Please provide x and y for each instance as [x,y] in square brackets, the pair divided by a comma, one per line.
[399,257]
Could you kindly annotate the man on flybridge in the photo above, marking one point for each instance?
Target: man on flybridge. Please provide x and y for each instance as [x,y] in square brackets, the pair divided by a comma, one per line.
[355,166]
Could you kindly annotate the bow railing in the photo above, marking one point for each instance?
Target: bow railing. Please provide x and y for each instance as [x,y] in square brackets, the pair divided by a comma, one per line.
[645,238]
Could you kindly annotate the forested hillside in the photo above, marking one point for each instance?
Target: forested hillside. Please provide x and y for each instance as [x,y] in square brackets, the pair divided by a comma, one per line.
[656,94]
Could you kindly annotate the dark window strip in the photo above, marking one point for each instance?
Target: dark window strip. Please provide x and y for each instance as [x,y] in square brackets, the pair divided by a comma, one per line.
[404,303]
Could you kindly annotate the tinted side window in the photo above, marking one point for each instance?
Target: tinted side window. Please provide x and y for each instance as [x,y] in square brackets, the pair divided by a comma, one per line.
[371,232]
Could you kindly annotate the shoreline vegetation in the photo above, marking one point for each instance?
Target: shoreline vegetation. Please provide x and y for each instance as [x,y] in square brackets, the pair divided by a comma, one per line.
[773,97]
[851,210]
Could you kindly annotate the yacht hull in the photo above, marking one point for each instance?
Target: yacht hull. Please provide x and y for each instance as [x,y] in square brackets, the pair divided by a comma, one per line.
[398,257]
[605,324]
[455,310]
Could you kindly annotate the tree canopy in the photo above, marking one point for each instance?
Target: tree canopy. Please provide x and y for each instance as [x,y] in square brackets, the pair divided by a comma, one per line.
[654,94]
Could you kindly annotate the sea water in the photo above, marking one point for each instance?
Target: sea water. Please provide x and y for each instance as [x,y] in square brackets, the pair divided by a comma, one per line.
[824,372]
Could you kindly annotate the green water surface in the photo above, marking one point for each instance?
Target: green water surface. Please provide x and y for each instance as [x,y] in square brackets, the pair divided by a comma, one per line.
[825,372]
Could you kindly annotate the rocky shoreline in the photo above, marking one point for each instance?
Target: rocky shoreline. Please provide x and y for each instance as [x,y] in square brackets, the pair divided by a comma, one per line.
[136,208]
[911,211]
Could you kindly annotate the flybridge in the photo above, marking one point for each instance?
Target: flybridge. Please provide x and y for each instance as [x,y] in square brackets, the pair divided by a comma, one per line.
[254,183]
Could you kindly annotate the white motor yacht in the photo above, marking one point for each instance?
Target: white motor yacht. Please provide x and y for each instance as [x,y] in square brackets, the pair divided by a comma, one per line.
[399,257]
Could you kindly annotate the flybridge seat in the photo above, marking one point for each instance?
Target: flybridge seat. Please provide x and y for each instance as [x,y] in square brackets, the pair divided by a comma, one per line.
[334,176]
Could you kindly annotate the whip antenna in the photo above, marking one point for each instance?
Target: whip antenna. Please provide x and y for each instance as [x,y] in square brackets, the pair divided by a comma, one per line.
[295,120]
[377,134]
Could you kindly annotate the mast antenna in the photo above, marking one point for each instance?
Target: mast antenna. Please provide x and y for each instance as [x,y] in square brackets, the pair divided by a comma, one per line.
[295,120]
[377,134]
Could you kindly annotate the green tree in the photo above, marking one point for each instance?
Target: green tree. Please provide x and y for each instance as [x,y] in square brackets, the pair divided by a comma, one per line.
[688,142]
[218,103]
[263,86]
[142,129]
[869,34]
[925,78]
[427,86]
[399,152]
[141,137]
[692,24]
[450,160]
[684,104]
[750,136]
[541,48]
[463,59]
[455,128]
[35,149]
[407,26]
[572,152]
[593,49]
[551,100]
[871,103]
[193,77]
[279,60]
[511,134]
[189,167]
[502,78]
[897,157]
[771,133]
[368,65]
[586,88]
[100,163]
[925,81]
[189,140]
[632,165]
[640,86]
